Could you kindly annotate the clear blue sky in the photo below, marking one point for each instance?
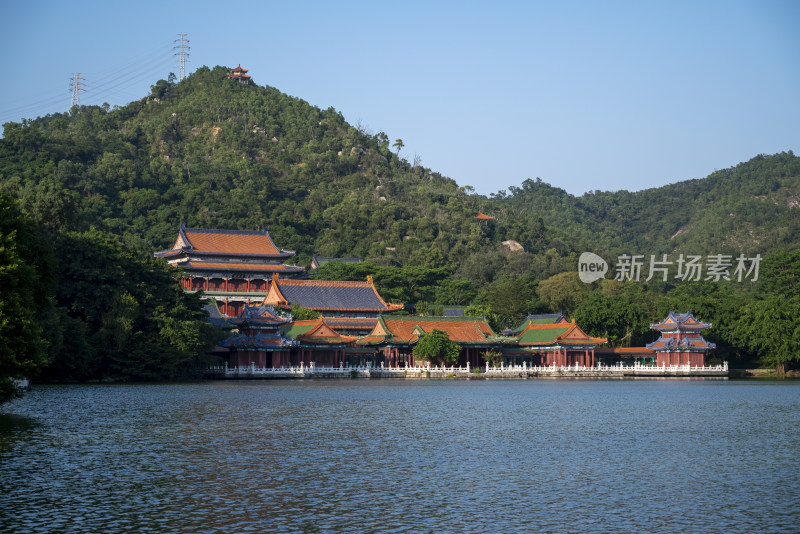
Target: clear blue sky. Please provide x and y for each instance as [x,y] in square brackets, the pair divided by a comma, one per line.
[586,95]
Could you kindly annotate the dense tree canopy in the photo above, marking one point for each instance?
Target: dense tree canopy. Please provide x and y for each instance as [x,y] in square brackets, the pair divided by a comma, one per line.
[24,284]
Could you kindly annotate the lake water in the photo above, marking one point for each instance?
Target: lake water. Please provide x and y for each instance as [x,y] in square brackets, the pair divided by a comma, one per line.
[403,456]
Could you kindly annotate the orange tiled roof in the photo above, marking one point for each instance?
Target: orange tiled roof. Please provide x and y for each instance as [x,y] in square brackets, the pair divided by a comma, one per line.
[203,241]
[680,321]
[408,329]
[483,217]
[225,242]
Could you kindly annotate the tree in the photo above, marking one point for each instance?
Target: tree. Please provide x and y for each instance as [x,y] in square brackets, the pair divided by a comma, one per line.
[510,298]
[613,317]
[769,327]
[780,273]
[23,299]
[300,313]
[563,292]
[398,144]
[438,348]
[123,314]
[492,357]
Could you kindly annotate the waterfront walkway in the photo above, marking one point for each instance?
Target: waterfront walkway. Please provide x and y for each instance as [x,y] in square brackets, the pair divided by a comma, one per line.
[513,371]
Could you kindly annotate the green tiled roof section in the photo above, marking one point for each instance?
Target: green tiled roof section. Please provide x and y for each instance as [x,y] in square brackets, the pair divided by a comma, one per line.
[296,330]
[542,321]
[544,335]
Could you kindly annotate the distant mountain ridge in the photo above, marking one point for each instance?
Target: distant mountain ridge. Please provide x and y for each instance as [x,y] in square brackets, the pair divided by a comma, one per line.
[752,207]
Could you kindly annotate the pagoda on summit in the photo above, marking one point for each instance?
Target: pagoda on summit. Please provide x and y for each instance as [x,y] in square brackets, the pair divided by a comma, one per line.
[232,266]
[239,74]
[680,342]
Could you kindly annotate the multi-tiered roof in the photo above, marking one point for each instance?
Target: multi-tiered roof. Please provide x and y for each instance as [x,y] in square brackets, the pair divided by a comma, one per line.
[259,327]
[680,332]
[239,74]
[227,251]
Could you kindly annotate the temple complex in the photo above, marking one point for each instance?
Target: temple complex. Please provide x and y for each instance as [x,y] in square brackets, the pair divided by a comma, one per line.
[232,266]
[266,337]
[240,273]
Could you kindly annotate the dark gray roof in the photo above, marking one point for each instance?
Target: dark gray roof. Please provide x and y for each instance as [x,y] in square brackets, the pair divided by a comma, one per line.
[332,296]
[215,317]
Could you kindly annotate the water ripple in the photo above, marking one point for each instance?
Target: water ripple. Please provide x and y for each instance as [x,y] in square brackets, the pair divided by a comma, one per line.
[402,456]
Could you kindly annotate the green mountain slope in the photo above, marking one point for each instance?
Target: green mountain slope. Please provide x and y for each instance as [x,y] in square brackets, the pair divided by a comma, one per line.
[215,153]
[751,208]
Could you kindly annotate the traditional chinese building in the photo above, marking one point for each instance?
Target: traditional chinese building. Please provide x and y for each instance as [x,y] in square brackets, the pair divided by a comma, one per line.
[265,338]
[258,340]
[562,344]
[317,342]
[239,74]
[396,335]
[232,266]
[330,298]
[680,342]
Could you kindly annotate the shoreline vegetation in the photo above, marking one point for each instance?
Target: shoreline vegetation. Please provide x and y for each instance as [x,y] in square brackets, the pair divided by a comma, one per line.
[87,195]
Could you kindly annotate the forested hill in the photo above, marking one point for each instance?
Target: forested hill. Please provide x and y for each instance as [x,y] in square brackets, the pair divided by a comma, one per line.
[215,153]
[751,208]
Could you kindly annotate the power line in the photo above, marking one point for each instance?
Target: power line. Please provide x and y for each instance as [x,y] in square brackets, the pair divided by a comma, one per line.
[76,85]
[108,86]
[184,53]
